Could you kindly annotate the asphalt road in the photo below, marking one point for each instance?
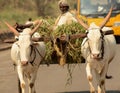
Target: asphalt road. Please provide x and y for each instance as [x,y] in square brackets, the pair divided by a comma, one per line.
[53,79]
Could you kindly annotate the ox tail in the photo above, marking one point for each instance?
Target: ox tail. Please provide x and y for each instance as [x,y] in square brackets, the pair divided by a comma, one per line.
[19,87]
[108,76]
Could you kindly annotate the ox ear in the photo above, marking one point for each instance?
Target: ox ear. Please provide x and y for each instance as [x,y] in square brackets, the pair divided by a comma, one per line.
[12,29]
[37,26]
[106,18]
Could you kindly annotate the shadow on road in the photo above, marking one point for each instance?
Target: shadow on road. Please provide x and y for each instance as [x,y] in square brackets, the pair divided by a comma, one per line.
[110,91]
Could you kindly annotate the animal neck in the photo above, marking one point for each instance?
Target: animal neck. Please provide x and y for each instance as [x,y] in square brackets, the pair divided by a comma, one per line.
[33,55]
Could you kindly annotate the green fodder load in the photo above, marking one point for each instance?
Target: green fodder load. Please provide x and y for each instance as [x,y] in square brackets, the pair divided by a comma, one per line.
[73,45]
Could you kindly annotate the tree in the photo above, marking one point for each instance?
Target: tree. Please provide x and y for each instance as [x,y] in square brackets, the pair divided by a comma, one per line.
[41,5]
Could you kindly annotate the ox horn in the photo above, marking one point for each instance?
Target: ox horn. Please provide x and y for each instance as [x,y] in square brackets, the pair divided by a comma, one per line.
[37,26]
[106,18]
[81,22]
[12,29]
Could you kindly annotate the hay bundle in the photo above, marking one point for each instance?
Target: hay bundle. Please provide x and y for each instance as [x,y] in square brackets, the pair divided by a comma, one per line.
[71,49]
[63,52]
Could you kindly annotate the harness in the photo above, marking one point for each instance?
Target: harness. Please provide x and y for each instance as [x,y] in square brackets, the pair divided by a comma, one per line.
[35,50]
[102,41]
[102,49]
[102,45]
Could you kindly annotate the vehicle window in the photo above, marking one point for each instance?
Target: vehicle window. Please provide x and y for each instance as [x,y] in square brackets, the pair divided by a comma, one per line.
[98,6]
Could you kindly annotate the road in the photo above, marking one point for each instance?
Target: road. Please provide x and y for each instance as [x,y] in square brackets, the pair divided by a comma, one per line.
[53,79]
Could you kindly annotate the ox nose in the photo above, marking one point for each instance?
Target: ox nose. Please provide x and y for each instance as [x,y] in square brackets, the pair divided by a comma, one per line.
[24,63]
[95,56]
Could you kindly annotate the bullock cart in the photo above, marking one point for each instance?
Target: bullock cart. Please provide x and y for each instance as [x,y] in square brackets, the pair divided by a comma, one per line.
[67,37]
[66,46]
[98,49]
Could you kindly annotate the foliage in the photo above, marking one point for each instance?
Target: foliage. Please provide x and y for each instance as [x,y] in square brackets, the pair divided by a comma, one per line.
[14,16]
[45,30]
[19,11]
[73,45]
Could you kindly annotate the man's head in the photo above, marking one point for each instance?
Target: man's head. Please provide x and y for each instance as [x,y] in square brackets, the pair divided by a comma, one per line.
[63,5]
[30,19]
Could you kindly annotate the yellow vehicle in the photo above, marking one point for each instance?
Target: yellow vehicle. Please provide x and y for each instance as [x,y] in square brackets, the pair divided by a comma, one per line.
[96,10]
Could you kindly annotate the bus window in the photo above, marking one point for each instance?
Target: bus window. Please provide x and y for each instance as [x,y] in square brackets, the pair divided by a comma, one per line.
[89,7]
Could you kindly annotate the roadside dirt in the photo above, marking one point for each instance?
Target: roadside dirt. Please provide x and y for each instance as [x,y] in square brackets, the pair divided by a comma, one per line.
[5,35]
[5,40]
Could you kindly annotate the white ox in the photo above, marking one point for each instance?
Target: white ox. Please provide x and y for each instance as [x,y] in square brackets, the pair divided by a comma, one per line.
[27,57]
[98,50]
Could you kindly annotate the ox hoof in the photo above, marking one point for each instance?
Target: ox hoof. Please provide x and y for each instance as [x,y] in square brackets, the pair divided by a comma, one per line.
[92,91]
[108,77]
